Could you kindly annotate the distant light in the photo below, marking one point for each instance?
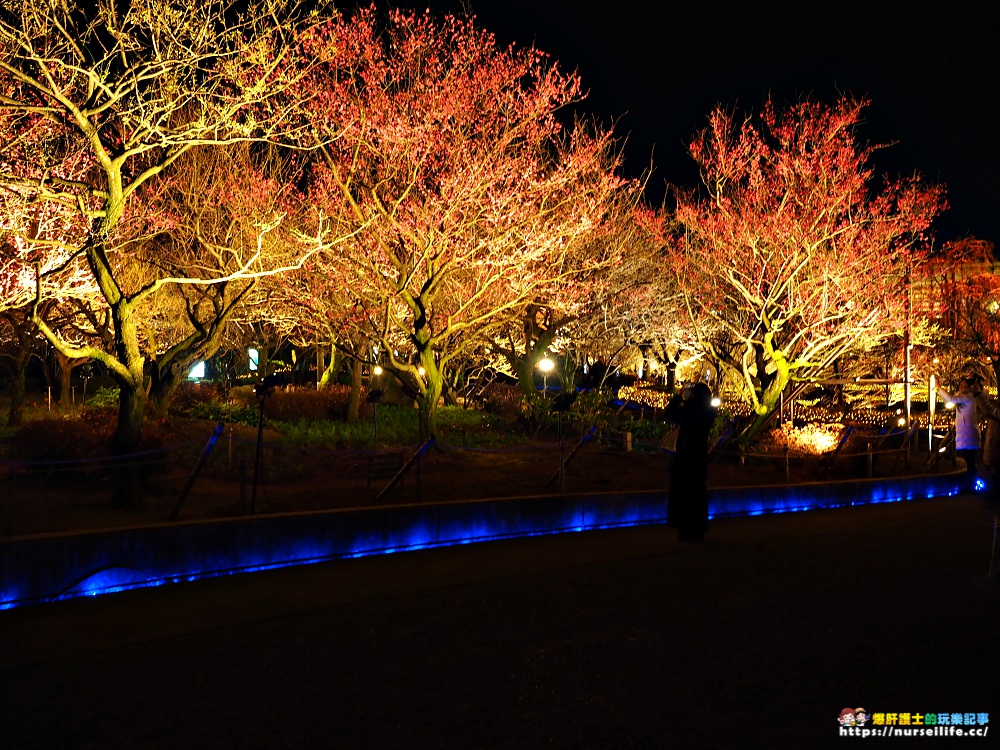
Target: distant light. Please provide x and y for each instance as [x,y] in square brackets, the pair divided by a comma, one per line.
[546,365]
[716,402]
[377,370]
[980,485]
[197,372]
[254,358]
[422,371]
[949,405]
[902,421]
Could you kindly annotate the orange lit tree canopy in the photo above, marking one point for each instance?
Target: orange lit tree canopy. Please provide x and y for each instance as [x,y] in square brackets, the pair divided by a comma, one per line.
[467,197]
[792,249]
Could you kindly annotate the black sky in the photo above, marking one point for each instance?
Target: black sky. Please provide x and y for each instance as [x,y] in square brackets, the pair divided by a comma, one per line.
[658,69]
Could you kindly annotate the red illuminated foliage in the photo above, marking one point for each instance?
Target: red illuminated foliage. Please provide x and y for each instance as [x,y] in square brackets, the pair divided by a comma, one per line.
[464,197]
[790,251]
[962,294]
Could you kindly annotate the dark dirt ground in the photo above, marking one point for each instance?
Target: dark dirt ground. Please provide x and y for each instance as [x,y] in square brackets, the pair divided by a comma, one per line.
[71,497]
[626,638]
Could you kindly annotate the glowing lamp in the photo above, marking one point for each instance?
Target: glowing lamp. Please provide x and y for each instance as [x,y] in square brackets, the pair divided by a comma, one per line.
[716,402]
[546,365]
[377,370]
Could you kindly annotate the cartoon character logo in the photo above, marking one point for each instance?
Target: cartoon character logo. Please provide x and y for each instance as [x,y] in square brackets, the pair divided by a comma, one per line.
[847,717]
[860,717]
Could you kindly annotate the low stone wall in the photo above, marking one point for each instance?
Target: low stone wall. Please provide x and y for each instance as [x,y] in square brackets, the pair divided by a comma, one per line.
[49,567]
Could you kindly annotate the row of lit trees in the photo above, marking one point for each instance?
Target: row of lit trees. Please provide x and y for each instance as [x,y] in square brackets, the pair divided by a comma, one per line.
[177,179]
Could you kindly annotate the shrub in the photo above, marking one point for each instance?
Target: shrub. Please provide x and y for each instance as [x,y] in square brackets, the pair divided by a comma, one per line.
[191,396]
[308,404]
[61,439]
[505,400]
[103,397]
[297,403]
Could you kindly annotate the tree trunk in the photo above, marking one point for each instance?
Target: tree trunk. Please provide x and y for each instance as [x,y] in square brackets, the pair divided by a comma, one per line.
[770,399]
[427,401]
[525,372]
[126,476]
[354,399]
[427,404]
[16,414]
[66,367]
[164,383]
[330,371]
[671,376]
[131,409]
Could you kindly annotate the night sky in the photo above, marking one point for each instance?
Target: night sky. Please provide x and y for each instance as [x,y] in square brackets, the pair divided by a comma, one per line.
[657,70]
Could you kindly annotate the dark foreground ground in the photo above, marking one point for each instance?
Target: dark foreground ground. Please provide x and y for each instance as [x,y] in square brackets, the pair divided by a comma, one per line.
[617,639]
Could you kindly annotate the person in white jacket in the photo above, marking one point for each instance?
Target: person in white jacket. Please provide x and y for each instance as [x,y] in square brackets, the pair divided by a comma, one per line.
[967,438]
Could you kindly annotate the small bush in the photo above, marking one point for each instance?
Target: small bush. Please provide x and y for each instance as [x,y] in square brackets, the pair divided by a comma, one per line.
[308,404]
[296,404]
[61,440]
[103,397]
[502,399]
[191,396]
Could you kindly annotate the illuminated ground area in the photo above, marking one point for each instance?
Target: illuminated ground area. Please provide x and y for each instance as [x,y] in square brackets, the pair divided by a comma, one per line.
[620,638]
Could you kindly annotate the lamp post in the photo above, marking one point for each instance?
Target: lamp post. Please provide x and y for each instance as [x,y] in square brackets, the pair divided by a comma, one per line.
[373,399]
[546,365]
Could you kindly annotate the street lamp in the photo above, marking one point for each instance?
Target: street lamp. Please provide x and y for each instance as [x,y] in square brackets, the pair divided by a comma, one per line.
[546,366]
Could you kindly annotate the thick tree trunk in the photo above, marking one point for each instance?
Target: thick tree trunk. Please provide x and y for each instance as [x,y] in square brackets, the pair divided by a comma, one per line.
[770,400]
[354,399]
[163,385]
[131,407]
[427,401]
[66,366]
[524,369]
[127,474]
[131,410]
[671,376]
[15,416]
[427,405]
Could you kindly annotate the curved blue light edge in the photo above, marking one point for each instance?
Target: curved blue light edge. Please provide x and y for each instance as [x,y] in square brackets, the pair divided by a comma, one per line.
[116,579]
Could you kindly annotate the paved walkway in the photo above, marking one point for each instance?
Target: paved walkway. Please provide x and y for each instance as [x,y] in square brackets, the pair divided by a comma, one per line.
[616,639]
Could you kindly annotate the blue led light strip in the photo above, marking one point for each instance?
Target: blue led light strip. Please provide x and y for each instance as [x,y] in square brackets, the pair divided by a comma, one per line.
[50,568]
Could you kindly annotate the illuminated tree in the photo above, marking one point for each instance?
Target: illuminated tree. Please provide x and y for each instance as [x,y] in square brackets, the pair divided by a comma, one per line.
[467,198]
[220,213]
[130,91]
[790,250]
[962,293]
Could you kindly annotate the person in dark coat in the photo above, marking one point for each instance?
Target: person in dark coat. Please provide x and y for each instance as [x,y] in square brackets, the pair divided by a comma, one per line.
[693,413]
